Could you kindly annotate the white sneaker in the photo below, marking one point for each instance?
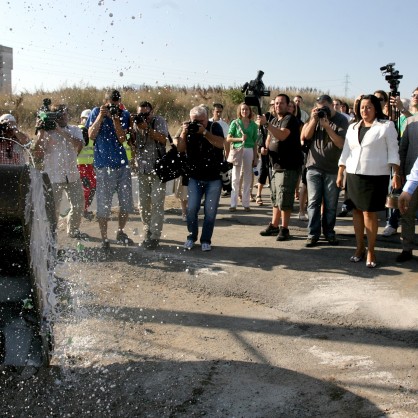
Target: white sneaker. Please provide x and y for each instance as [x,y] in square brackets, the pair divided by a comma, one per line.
[388,231]
[303,217]
[188,245]
[206,246]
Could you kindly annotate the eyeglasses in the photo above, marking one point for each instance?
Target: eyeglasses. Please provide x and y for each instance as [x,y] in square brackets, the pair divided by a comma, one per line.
[414,96]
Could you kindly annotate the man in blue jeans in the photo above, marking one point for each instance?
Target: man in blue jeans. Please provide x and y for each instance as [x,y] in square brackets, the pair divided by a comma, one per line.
[204,142]
[325,131]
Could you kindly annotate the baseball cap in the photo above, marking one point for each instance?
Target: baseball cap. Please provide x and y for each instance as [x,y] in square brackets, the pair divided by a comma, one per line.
[85,113]
[324,98]
[7,117]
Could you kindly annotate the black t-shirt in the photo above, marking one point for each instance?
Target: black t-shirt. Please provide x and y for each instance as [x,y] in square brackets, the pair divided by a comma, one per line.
[286,154]
[204,160]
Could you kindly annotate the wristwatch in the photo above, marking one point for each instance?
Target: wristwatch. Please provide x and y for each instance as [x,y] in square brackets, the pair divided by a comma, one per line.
[205,132]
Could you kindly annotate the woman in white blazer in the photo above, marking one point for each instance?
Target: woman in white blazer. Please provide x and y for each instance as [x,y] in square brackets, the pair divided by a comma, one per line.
[370,153]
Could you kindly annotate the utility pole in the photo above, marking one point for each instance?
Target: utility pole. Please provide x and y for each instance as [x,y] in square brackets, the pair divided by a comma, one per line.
[346,83]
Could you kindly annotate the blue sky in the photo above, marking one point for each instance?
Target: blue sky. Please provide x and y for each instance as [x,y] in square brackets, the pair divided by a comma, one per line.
[301,43]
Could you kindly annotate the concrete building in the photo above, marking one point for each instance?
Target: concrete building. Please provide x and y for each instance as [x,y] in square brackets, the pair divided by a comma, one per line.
[6,67]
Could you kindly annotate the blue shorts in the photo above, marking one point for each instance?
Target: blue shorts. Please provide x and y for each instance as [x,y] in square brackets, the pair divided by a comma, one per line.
[110,181]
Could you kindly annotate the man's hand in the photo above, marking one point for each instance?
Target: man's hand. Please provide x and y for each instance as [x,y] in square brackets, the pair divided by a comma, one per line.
[403,202]
[324,122]
[261,120]
[314,114]
[185,128]
[104,111]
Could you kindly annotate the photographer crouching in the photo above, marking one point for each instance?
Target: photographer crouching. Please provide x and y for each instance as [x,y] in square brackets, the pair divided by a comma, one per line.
[203,141]
[57,145]
[12,141]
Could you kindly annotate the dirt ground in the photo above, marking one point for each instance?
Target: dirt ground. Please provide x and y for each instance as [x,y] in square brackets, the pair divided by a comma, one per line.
[254,328]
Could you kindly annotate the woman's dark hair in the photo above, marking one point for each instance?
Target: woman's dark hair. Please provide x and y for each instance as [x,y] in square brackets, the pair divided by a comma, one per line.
[375,102]
[384,94]
[346,108]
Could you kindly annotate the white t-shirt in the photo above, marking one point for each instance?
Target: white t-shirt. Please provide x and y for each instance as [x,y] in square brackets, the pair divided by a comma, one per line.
[60,160]
[224,126]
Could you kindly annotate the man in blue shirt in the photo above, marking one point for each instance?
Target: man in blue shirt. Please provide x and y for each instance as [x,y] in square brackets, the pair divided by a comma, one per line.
[107,126]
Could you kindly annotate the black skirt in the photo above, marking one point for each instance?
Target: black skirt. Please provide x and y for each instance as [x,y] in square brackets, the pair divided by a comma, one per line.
[368,193]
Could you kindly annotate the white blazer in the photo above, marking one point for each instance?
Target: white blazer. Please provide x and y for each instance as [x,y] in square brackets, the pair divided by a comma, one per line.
[376,153]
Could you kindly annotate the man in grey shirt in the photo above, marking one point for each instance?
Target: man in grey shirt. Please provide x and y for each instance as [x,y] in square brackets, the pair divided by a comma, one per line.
[150,136]
[325,132]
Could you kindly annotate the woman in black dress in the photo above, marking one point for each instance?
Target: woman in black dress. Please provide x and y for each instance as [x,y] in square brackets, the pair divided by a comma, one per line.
[370,153]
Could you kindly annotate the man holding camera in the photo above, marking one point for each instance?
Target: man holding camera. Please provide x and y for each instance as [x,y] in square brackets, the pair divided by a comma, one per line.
[57,145]
[203,141]
[150,134]
[325,133]
[12,141]
[107,126]
[285,155]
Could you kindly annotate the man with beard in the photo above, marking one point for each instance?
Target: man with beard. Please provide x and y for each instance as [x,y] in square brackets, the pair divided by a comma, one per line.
[284,150]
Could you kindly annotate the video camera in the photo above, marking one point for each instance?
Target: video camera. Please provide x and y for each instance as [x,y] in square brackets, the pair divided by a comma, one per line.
[46,119]
[254,90]
[392,77]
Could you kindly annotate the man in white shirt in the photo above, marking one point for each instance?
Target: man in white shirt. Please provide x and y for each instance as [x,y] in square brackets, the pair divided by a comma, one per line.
[409,189]
[304,116]
[58,145]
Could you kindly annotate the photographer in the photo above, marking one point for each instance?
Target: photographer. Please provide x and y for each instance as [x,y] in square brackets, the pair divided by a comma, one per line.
[12,141]
[107,126]
[58,144]
[149,136]
[325,133]
[204,143]
[285,156]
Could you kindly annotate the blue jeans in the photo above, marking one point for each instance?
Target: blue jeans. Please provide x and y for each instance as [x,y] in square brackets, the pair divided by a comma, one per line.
[212,191]
[321,187]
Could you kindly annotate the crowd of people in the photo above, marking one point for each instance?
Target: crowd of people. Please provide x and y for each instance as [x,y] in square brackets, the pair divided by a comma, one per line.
[368,150]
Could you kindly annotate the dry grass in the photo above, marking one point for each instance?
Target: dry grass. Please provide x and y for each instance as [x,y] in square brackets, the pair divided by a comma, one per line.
[172,102]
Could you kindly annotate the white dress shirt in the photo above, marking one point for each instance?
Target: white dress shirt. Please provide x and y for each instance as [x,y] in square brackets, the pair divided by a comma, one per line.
[377,152]
[412,180]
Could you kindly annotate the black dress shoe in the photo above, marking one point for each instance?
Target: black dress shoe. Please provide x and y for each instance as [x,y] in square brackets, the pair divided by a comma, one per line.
[404,256]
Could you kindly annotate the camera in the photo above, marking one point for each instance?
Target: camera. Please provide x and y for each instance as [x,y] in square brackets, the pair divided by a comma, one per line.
[139,118]
[324,111]
[114,110]
[392,77]
[46,117]
[254,90]
[4,127]
[193,127]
